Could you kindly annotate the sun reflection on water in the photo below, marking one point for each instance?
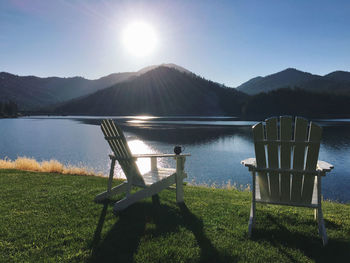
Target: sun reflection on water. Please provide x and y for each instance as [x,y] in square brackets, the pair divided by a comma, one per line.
[144,164]
[145,117]
[137,121]
[139,147]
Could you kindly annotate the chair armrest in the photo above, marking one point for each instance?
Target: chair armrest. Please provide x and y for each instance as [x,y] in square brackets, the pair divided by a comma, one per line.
[250,162]
[158,155]
[151,155]
[323,166]
[179,161]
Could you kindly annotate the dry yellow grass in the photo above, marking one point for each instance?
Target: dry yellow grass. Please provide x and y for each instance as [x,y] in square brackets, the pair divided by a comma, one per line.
[78,170]
[28,164]
[6,164]
[52,166]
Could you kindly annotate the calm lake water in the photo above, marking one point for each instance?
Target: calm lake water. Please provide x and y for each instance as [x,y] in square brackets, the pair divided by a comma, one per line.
[217,145]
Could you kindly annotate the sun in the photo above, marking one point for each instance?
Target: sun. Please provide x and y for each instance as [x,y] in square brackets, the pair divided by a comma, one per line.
[139,39]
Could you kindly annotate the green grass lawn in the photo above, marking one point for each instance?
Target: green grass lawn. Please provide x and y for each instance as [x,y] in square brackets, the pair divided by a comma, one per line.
[52,218]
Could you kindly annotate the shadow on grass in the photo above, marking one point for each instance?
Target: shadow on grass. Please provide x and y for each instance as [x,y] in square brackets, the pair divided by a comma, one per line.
[98,230]
[311,246]
[122,241]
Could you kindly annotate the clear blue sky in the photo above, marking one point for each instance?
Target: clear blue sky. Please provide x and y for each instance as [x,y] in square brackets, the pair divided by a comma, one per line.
[225,41]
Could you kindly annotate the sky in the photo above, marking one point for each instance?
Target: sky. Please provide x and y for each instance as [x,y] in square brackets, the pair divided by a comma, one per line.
[228,42]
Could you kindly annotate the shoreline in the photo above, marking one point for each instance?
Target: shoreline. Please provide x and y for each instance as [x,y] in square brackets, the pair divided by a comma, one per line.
[52,166]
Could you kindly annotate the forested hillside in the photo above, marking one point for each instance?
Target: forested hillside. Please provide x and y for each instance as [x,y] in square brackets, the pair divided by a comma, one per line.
[161,91]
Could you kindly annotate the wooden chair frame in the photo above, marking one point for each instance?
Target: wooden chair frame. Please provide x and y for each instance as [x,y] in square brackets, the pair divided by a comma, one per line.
[152,182]
[285,168]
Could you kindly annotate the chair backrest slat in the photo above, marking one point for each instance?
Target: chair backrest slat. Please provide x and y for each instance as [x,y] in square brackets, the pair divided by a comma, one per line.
[284,153]
[300,134]
[117,142]
[122,144]
[272,157]
[258,134]
[286,156]
[107,129]
[315,135]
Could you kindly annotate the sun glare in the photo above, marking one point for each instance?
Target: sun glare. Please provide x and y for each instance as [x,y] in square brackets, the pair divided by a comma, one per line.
[139,39]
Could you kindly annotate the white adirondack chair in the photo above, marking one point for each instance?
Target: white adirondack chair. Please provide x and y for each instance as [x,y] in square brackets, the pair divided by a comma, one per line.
[152,182]
[287,168]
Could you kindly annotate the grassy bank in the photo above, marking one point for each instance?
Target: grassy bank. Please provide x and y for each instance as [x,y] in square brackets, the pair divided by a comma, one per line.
[52,218]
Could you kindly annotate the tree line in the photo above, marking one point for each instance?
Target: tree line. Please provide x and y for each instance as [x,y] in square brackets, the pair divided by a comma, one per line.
[295,101]
[8,109]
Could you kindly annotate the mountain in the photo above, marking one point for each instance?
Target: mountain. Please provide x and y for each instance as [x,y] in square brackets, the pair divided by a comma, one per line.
[287,78]
[250,83]
[167,89]
[160,91]
[337,82]
[168,65]
[339,76]
[31,92]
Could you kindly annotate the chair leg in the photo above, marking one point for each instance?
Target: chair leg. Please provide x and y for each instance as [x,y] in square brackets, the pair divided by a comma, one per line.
[179,189]
[251,222]
[180,162]
[110,191]
[111,174]
[315,214]
[321,226]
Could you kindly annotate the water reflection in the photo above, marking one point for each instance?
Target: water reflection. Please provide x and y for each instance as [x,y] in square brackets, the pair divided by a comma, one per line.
[139,147]
[180,132]
[225,145]
[217,145]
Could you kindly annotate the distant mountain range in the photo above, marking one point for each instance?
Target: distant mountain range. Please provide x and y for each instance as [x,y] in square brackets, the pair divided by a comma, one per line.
[160,91]
[32,93]
[169,89]
[337,82]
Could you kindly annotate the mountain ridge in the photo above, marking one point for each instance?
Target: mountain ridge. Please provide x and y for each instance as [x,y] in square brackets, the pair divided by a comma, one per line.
[334,82]
[32,92]
[160,91]
[285,78]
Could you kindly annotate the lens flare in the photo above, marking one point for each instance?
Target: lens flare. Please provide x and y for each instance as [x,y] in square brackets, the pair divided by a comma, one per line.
[139,39]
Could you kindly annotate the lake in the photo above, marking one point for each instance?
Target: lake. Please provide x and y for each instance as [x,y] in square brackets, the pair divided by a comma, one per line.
[217,145]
